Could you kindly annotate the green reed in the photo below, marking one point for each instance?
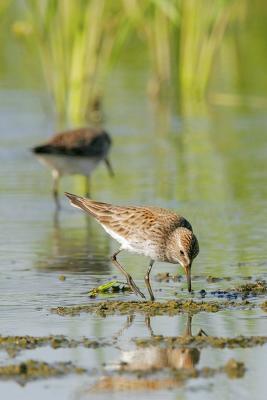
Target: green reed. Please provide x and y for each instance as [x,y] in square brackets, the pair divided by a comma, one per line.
[183,38]
[202,30]
[155,22]
[79,41]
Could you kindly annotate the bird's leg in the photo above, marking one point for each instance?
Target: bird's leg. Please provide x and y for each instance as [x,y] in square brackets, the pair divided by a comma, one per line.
[109,167]
[147,281]
[55,176]
[188,330]
[87,186]
[128,323]
[127,276]
[148,324]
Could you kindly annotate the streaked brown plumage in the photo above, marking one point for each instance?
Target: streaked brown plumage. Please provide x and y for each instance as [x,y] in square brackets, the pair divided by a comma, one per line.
[155,232]
[76,151]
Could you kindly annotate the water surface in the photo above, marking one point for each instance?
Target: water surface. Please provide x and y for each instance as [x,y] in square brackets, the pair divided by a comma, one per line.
[209,167]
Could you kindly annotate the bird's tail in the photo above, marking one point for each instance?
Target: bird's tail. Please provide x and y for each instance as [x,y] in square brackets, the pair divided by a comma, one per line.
[92,207]
[42,149]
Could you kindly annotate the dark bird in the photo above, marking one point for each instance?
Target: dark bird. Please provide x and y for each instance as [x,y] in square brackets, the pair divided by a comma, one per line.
[77,151]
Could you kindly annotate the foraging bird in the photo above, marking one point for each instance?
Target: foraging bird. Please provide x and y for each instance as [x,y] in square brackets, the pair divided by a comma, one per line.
[77,151]
[155,232]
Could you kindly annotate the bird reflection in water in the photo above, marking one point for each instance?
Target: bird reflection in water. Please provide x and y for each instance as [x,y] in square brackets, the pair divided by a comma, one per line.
[75,152]
[157,358]
[151,359]
[75,250]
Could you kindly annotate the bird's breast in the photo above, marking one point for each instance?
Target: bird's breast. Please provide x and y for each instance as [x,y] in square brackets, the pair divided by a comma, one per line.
[136,244]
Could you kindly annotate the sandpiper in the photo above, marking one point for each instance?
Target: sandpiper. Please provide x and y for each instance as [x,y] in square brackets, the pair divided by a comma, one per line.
[77,151]
[155,232]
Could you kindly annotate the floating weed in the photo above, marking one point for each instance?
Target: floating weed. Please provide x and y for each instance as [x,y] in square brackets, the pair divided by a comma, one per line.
[110,287]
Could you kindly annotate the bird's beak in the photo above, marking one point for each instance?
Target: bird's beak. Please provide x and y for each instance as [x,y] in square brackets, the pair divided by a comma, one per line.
[187,269]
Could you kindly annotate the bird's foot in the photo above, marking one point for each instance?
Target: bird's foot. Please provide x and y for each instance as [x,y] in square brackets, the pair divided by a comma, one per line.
[201,333]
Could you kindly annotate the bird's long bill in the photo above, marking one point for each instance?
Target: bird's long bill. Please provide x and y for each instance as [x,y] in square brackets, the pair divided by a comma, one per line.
[188,277]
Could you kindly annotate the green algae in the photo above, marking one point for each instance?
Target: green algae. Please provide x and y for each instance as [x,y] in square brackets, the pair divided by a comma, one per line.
[171,307]
[203,341]
[110,287]
[32,370]
[13,344]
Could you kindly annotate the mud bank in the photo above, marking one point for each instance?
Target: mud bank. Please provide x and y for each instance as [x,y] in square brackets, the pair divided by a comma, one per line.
[32,370]
[203,341]
[171,307]
[14,344]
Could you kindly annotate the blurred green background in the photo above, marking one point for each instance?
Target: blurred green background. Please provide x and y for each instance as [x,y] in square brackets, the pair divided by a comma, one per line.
[181,86]
[195,53]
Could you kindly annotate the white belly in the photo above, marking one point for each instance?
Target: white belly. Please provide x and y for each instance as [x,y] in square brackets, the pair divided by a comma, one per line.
[146,248]
[69,165]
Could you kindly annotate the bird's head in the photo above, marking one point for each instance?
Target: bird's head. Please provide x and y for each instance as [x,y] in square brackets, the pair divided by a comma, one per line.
[183,249]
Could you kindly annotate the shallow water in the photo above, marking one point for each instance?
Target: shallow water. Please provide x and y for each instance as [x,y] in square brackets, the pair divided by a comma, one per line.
[211,168]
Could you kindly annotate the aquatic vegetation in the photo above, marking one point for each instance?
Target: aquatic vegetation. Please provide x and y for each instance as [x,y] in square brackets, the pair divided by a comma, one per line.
[203,26]
[77,42]
[254,288]
[110,287]
[171,307]
[32,370]
[249,289]
[13,344]
[203,341]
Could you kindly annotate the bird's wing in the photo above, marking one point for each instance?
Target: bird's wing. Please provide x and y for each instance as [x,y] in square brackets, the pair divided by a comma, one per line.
[126,221]
[80,142]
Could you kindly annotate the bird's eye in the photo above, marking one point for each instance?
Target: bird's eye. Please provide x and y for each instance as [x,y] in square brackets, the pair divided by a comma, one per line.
[181,252]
